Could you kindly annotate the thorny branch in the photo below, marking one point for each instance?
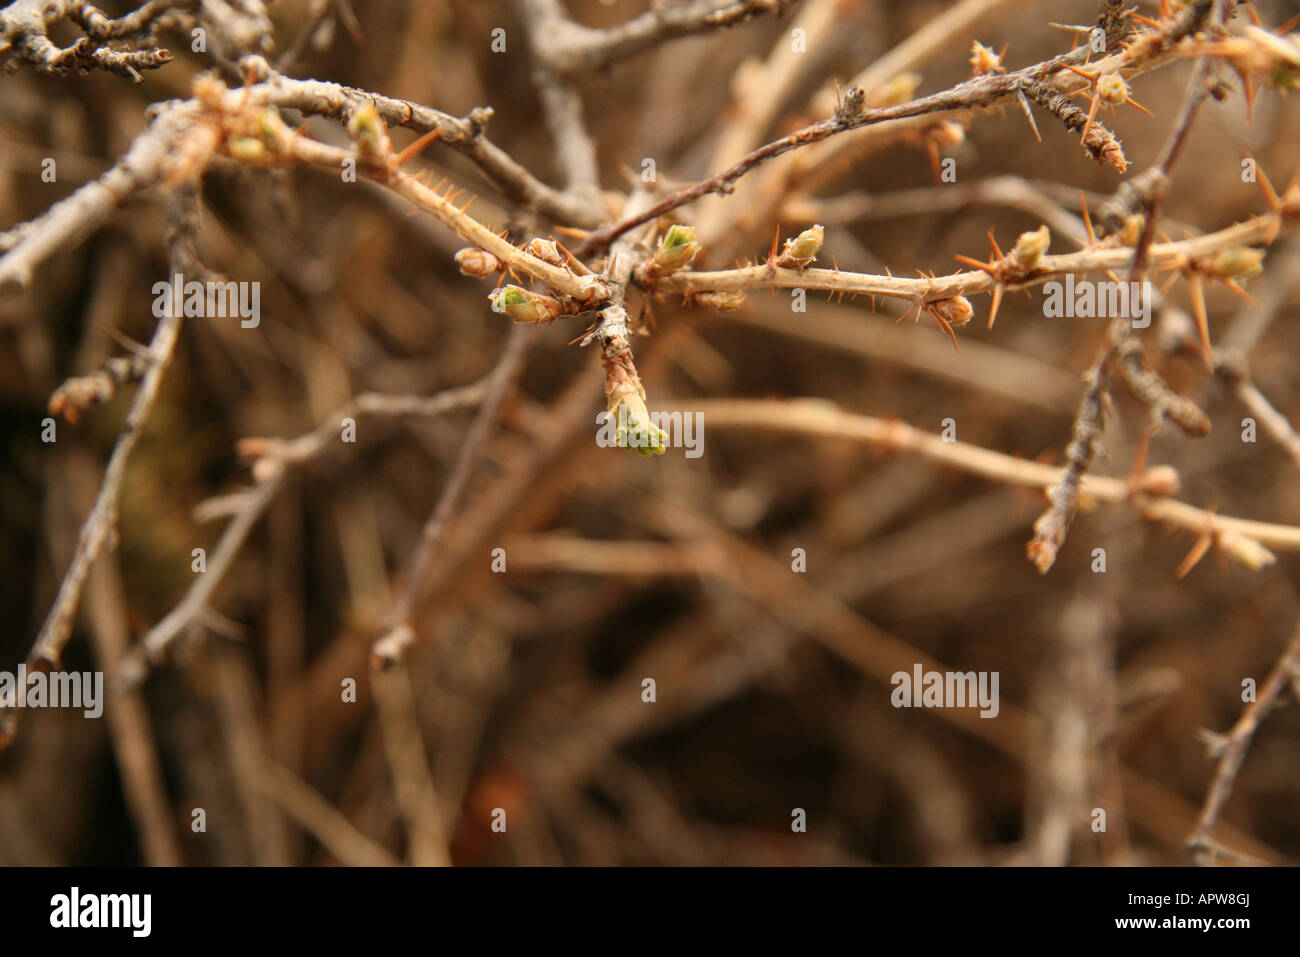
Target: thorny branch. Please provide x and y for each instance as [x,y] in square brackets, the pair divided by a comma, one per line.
[981,91]
[1150,494]
[1168,255]
[1053,525]
[617,264]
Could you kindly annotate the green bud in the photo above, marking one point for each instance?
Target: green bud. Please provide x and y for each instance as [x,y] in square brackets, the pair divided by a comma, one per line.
[1237,262]
[676,249]
[803,249]
[524,306]
[371,136]
[637,431]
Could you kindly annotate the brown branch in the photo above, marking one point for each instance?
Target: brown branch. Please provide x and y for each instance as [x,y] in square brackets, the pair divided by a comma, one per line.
[154,152]
[417,799]
[24,35]
[1274,422]
[1231,749]
[463,134]
[300,801]
[100,528]
[572,48]
[80,393]
[69,221]
[273,458]
[391,646]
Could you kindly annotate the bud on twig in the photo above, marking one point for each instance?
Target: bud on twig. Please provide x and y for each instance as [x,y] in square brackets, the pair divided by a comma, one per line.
[547,251]
[371,136]
[1031,247]
[802,249]
[1237,262]
[676,250]
[983,60]
[1112,88]
[477,262]
[1160,480]
[1246,551]
[956,311]
[524,306]
[719,301]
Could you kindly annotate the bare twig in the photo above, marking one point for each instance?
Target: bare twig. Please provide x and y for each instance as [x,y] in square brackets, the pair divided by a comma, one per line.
[71,220]
[273,459]
[573,48]
[100,528]
[1096,259]
[1273,421]
[24,35]
[1231,749]
[463,134]
[392,645]
[412,779]
[321,819]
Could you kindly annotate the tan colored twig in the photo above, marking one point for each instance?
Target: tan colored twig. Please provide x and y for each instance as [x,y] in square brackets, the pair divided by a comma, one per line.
[756,105]
[69,221]
[1054,523]
[80,393]
[153,156]
[816,417]
[562,104]
[463,134]
[1259,229]
[588,290]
